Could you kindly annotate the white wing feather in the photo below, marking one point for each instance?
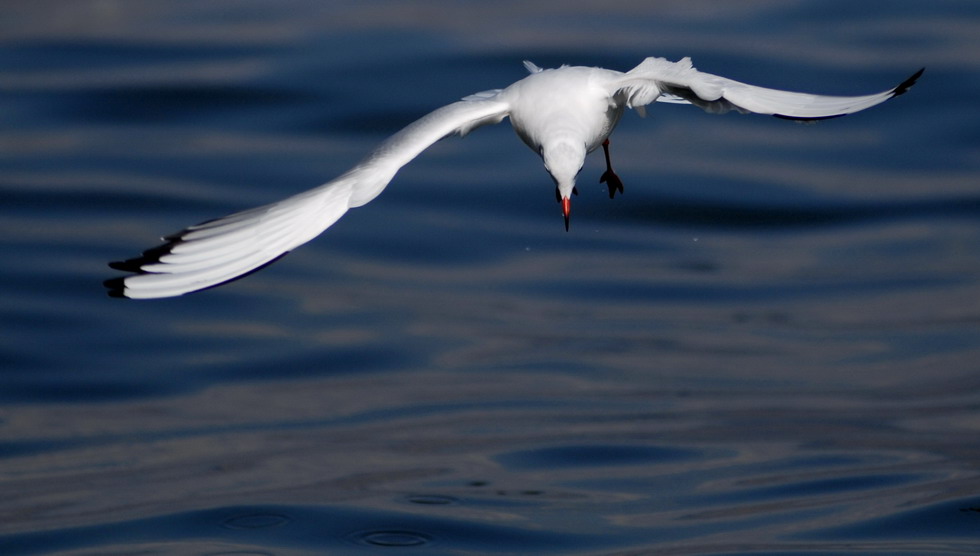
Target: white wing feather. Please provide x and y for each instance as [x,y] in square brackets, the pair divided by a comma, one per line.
[678,82]
[218,251]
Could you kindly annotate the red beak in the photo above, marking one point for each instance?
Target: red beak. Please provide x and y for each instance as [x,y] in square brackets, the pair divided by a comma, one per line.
[566,209]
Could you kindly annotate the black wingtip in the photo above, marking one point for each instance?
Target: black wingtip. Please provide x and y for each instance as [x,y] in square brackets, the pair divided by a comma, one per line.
[129,265]
[149,256]
[907,84]
[116,287]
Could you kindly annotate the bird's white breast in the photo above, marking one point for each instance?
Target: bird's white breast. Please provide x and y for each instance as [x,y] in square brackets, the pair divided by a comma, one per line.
[568,102]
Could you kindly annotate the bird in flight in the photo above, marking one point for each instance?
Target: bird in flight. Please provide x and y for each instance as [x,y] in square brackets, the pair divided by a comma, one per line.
[562,114]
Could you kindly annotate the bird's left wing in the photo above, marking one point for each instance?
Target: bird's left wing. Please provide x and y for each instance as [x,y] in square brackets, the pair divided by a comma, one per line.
[657,79]
[218,251]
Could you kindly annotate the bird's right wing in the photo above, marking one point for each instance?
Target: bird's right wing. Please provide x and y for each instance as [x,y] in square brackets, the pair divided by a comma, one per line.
[221,250]
[657,79]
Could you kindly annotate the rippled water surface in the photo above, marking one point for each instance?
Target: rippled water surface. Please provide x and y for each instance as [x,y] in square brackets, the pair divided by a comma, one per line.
[768,345]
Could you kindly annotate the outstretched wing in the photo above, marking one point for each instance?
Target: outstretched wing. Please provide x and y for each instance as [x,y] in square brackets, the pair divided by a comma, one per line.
[221,250]
[661,80]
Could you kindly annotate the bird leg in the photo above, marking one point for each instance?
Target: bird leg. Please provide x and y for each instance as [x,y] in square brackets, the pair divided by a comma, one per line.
[609,177]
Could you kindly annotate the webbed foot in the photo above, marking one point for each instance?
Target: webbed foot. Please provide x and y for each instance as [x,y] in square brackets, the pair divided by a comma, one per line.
[612,181]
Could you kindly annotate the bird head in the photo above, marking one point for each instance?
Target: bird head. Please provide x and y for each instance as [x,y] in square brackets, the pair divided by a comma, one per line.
[564,160]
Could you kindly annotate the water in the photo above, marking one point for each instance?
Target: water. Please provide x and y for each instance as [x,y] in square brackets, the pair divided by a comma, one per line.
[768,345]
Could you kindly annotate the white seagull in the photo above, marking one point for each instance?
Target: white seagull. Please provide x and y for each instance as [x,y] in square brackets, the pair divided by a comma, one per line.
[561,114]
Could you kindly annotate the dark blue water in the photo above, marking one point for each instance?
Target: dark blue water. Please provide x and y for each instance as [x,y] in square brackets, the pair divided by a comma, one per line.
[768,345]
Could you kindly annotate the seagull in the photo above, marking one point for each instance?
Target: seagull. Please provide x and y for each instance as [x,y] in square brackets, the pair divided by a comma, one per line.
[562,114]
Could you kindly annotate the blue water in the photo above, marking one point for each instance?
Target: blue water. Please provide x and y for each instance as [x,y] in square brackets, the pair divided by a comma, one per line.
[767,345]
